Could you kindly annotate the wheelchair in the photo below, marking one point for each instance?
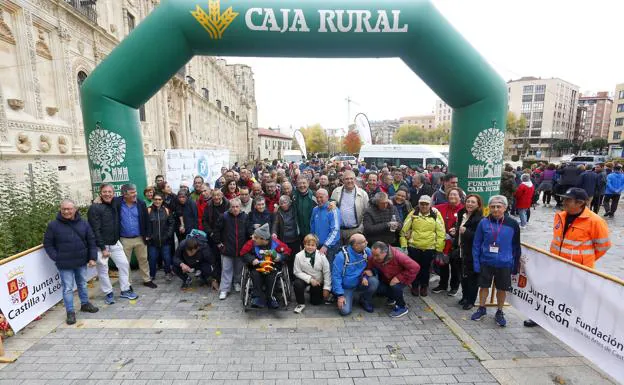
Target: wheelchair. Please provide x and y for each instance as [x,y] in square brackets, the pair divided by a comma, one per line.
[282,283]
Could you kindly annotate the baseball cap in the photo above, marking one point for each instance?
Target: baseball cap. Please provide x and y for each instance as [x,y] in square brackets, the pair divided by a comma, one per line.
[575,193]
[424,198]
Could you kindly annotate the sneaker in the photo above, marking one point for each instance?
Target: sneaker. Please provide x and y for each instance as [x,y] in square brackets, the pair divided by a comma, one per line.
[423,291]
[237,287]
[109,298]
[368,307]
[257,303]
[150,284]
[480,313]
[452,293]
[128,294]
[415,291]
[530,323]
[390,302]
[88,308]
[499,317]
[522,227]
[607,215]
[187,282]
[399,312]
[198,273]
[330,299]
[168,277]
[223,295]
[299,308]
[467,306]
[71,318]
[462,302]
[273,304]
[438,289]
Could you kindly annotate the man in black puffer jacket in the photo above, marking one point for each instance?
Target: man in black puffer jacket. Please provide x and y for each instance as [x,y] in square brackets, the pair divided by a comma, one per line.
[381,220]
[70,243]
[192,255]
[104,220]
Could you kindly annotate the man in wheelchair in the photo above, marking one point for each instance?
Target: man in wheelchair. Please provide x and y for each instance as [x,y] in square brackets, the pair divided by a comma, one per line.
[265,258]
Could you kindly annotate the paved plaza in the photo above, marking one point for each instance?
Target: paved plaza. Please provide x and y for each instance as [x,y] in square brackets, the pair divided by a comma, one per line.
[169,336]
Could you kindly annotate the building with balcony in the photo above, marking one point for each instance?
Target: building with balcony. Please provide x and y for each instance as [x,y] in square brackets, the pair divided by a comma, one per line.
[427,122]
[382,131]
[49,47]
[616,125]
[598,114]
[272,144]
[443,114]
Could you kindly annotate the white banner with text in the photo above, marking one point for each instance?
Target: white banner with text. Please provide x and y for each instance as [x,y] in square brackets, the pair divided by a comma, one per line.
[29,286]
[582,309]
[184,165]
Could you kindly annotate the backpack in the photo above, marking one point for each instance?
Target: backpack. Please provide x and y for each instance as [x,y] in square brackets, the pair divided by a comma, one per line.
[345,252]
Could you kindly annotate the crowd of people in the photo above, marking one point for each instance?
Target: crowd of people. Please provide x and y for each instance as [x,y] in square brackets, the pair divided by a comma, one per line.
[340,230]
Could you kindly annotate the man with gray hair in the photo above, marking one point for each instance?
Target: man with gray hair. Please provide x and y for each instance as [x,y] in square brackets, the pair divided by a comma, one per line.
[134,229]
[496,255]
[352,202]
[325,223]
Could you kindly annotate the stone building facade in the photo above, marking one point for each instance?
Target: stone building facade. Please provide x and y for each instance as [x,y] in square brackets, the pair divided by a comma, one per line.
[49,47]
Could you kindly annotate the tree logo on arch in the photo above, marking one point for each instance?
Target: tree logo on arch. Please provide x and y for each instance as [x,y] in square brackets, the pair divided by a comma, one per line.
[107,150]
[488,148]
[214,22]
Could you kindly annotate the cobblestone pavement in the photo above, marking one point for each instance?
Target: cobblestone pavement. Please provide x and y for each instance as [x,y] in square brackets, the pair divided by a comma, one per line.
[172,337]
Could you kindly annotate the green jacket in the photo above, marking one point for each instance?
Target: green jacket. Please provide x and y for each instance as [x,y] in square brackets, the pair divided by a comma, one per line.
[303,204]
[423,232]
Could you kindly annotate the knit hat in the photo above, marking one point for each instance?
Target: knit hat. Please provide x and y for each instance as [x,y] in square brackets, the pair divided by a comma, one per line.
[263,232]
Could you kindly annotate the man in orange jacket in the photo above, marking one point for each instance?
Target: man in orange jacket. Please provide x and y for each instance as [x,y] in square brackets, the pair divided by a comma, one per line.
[578,233]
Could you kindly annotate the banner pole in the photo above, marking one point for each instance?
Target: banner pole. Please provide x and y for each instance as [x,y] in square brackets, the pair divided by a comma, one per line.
[493,302]
[3,359]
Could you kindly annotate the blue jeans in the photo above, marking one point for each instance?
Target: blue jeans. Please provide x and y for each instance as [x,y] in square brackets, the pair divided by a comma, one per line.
[331,253]
[153,252]
[68,278]
[523,216]
[366,294]
[394,293]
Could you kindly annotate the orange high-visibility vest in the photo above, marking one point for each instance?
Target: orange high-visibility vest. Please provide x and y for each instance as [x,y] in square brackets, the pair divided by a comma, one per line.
[586,240]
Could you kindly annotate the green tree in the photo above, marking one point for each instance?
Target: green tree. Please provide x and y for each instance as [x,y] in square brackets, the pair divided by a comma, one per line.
[599,144]
[412,134]
[515,127]
[562,145]
[315,138]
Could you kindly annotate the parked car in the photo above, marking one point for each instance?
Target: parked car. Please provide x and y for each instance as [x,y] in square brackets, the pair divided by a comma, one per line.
[345,158]
[588,160]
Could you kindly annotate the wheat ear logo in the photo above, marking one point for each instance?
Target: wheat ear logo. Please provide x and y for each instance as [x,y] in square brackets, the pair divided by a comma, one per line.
[214,22]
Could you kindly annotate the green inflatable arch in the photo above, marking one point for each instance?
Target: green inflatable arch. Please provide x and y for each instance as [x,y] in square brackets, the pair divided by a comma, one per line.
[179,29]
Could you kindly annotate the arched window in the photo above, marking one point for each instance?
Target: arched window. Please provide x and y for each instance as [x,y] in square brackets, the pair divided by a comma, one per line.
[82,76]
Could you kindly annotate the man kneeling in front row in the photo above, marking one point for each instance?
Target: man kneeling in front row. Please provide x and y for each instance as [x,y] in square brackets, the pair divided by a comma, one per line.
[190,256]
[395,271]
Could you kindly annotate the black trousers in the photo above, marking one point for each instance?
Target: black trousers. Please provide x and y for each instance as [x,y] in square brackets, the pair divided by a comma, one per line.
[316,292]
[470,286]
[263,281]
[596,203]
[546,197]
[295,247]
[205,267]
[610,203]
[424,259]
[453,269]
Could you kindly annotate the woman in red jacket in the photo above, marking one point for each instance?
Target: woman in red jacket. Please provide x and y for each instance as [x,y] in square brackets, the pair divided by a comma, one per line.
[524,199]
[449,212]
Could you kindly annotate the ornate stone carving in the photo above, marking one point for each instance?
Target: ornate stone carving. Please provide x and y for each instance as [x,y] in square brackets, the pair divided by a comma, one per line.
[16,104]
[23,143]
[52,110]
[44,143]
[5,30]
[146,148]
[42,47]
[81,47]
[64,34]
[4,131]
[62,144]
[113,28]
[33,63]
[24,126]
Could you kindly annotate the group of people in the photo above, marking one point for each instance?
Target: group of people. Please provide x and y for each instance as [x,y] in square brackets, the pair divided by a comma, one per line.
[341,231]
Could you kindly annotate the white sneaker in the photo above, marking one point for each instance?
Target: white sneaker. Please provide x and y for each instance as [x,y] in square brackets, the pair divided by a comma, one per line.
[522,227]
[237,287]
[223,295]
[299,309]
[198,273]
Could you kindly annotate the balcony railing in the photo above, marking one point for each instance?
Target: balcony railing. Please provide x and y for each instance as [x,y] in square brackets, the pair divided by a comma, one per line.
[85,7]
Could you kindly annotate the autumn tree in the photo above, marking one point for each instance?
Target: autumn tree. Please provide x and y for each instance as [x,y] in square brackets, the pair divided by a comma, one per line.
[315,138]
[515,127]
[352,143]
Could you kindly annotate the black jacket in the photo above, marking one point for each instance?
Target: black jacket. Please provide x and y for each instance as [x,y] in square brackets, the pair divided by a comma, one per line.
[211,214]
[162,225]
[203,255]
[70,243]
[104,220]
[144,223]
[570,176]
[376,224]
[188,212]
[256,218]
[467,238]
[415,193]
[279,224]
[233,232]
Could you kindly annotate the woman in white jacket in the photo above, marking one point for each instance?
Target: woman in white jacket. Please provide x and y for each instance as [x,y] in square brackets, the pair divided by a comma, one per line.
[311,268]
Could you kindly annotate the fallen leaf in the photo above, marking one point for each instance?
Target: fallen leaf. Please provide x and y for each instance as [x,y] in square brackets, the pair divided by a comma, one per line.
[428,309]
[218,332]
[132,302]
[80,324]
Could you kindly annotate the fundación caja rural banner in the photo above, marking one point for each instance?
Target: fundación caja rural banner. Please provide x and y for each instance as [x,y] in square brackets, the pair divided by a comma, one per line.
[583,309]
[29,286]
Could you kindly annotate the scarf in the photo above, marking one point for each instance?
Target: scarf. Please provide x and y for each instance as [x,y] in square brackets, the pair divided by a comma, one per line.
[311,257]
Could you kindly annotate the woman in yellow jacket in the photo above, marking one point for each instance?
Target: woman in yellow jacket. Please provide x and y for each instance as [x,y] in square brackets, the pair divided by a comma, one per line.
[423,234]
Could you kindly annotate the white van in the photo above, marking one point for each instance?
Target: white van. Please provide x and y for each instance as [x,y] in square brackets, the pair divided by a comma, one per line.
[293,156]
[411,155]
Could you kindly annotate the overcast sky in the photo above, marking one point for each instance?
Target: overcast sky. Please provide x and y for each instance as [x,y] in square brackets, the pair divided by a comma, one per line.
[578,41]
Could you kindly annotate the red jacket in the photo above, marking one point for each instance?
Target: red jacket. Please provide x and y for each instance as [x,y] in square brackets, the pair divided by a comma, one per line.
[396,265]
[524,196]
[201,205]
[272,201]
[449,214]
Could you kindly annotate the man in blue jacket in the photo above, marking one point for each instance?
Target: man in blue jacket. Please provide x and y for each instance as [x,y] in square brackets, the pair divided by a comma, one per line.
[325,223]
[615,186]
[496,252]
[70,243]
[348,276]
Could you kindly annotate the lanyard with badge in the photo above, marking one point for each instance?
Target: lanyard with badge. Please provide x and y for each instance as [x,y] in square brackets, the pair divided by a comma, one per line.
[494,247]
